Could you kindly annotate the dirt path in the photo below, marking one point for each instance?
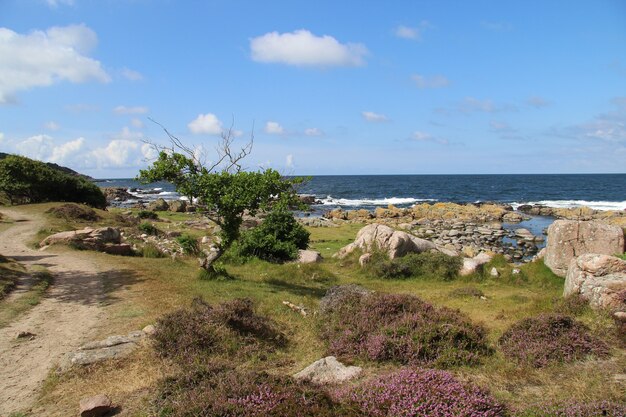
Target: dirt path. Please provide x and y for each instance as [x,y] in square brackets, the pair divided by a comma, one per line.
[66,317]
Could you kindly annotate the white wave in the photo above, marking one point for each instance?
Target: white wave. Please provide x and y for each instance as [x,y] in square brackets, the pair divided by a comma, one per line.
[168,193]
[330,201]
[596,205]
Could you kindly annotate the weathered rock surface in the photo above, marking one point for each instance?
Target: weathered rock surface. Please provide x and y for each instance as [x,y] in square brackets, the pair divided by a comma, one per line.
[158,205]
[339,294]
[395,243]
[309,256]
[105,239]
[471,265]
[116,194]
[365,259]
[568,239]
[113,347]
[95,406]
[600,279]
[178,206]
[328,370]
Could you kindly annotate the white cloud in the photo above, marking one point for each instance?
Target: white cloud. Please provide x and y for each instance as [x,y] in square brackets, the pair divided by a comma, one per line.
[427,137]
[1,137]
[56,3]
[302,48]
[131,75]
[206,123]
[289,161]
[51,125]
[149,152]
[537,102]
[607,127]
[136,123]
[61,154]
[313,131]
[274,128]
[130,110]
[412,33]
[370,116]
[471,104]
[36,147]
[436,81]
[117,153]
[499,126]
[40,59]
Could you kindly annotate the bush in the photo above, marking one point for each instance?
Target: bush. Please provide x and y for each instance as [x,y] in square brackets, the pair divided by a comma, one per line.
[148,228]
[550,338]
[24,180]
[74,212]
[575,409]
[573,304]
[404,329]
[423,393]
[147,214]
[426,265]
[191,336]
[224,391]
[277,239]
[151,251]
[189,244]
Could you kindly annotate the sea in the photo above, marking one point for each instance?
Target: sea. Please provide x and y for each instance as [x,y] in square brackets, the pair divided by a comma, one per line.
[597,191]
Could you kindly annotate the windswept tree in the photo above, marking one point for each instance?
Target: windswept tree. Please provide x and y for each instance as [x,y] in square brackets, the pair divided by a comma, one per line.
[222,186]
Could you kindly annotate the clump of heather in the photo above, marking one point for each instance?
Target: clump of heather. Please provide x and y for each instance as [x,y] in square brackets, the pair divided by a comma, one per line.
[550,338]
[232,328]
[575,409]
[422,393]
[403,329]
[220,390]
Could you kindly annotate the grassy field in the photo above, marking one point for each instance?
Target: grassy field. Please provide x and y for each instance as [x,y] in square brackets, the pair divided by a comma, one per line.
[143,289]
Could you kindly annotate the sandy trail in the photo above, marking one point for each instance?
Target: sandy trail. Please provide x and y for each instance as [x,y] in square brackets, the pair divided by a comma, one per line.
[66,317]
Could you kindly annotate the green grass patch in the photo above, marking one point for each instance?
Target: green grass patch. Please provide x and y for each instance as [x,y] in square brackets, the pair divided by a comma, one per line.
[10,310]
[10,272]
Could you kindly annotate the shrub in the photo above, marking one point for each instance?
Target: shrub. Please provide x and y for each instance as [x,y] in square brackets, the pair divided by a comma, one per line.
[573,304]
[426,264]
[24,180]
[232,328]
[74,212]
[466,292]
[423,393]
[404,329]
[148,228]
[151,251]
[224,391]
[575,409]
[550,338]
[188,243]
[277,239]
[147,214]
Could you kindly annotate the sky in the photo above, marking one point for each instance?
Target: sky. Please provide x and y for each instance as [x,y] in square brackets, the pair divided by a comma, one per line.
[323,87]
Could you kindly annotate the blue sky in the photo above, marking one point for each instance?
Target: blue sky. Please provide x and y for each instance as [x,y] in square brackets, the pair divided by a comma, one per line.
[327,87]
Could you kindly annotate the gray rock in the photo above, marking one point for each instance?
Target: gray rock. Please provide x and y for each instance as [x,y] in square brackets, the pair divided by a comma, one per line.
[309,257]
[471,265]
[158,205]
[598,278]
[178,206]
[95,406]
[149,329]
[568,239]
[379,236]
[328,371]
[113,347]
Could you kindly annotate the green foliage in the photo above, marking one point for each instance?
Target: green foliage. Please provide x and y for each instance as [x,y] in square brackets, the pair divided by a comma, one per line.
[151,251]
[74,212]
[148,228]
[189,244]
[424,265]
[147,214]
[277,239]
[24,180]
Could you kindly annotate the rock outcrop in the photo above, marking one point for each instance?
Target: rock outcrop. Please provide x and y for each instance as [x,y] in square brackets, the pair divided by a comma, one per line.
[328,370]
[309,257]
[395,243]
[105,239]
[471,265]
[158,205]
[568,239]
[116,194]
[600,279]
[113,347]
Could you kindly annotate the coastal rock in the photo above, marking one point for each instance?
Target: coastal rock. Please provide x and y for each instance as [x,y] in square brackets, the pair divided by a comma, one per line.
[95,406]
[395,243]
[339,294]
[471,265]
[598,278]
[178,206]
[328,370]
[512,217]
[116,194]
[158,205]
[309,257]
[568,239]
[106,239]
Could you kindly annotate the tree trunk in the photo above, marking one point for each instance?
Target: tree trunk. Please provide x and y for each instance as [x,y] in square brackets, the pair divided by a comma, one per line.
[211,257]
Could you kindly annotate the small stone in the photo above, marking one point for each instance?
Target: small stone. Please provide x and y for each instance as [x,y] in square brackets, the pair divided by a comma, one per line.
[494,272]
[620,315]
[95,406]
[328,370]
[515,271]
[149,329]
[25,335]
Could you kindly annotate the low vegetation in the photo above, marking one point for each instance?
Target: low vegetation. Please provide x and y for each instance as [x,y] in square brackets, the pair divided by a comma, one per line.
[74,212]
[550,338]
[416,265]
[189,244]
[10,272]
[15,307]
[403,329]
[575,409]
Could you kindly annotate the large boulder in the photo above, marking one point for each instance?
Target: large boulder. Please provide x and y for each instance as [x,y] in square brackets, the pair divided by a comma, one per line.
[328,370]
[471,265]
[600,279]
[309,257]
[568,239]
[158,205]
[178,206]
[105,239]
[378,236]
[96,406]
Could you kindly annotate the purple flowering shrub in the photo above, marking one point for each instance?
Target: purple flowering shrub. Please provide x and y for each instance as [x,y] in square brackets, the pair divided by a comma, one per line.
[575,409]
[550,338]
[218,390]
[231,328]
[421,393]
[404,329]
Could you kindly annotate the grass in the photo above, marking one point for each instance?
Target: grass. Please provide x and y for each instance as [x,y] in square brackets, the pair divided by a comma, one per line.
[13,308]
[10,272]
[160,285]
